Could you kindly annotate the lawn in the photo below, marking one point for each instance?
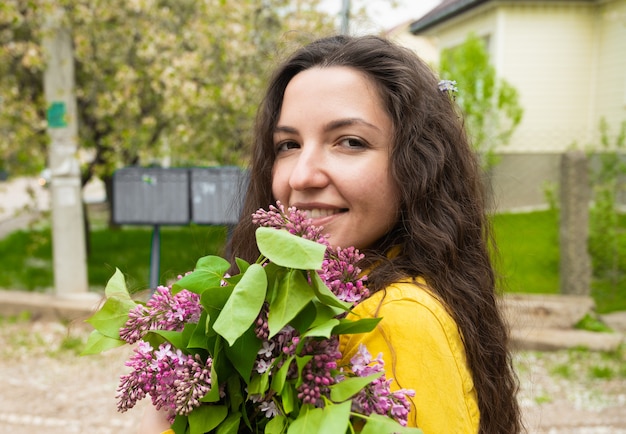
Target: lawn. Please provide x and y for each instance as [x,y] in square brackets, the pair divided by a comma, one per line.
[528,257]
[528,247]
[27,258]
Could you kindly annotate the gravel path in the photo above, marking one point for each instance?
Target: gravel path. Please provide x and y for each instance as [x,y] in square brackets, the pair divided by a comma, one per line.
[47,388]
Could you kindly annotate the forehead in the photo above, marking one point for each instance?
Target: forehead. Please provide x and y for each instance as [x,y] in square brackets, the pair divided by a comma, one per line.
[333,91]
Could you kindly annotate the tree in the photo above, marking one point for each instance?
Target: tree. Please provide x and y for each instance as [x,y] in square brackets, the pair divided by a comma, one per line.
[490,106]
[154,78]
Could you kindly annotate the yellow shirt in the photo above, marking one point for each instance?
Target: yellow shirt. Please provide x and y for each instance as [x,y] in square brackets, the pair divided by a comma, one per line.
[422,350]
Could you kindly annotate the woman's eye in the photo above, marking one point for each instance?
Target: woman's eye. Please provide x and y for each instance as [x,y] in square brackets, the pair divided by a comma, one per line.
[351,142]
[285,146]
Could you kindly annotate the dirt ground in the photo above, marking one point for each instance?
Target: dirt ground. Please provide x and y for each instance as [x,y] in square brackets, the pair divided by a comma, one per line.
[45,387]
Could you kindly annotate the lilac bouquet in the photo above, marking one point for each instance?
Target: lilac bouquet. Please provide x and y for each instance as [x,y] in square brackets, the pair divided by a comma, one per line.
[257,351]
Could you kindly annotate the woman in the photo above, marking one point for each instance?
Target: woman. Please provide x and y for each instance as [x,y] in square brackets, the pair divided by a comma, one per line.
[355,131]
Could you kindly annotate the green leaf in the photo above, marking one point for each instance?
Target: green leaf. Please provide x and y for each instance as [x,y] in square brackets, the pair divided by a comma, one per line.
[112,316]
[288,397]
[336,418]
[347,388]
[243,305]
[292,294]
[199,339]
[363,325]
[242,265]
[213,301]
[301,361]
[243,353]
[276,425]
[325,295]
[378,424]
[213,395]
[97,343]
[309,421]
[234,395]
[230,424]
[116,286]
[323,330]
[305,317]
[288,250]
[259,384]
[209,272]
[278,380]
[180,425]
[175,338]
[206,417]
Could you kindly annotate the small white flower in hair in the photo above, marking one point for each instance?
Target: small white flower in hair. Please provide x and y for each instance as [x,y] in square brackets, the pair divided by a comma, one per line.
[448,86]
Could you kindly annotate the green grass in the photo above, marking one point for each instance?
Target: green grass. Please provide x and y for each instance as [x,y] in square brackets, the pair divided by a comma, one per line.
[528,256]
[529,252]
[27,255]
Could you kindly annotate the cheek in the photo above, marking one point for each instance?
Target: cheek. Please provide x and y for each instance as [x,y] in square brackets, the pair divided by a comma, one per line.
[279,185]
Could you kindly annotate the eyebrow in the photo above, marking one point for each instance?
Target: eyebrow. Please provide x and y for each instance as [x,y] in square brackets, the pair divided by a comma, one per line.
[333,125]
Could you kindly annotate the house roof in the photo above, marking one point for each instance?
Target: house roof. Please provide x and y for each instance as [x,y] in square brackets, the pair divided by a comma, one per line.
[442,12]
[450,8]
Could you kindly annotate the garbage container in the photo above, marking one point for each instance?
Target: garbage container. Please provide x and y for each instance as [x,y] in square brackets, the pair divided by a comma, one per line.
[217,194]
[151,196]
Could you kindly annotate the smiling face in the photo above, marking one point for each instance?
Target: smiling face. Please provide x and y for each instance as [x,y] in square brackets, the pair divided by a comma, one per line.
[333,141]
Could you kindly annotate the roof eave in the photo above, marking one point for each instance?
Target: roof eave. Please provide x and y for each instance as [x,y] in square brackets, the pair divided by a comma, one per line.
[439,15]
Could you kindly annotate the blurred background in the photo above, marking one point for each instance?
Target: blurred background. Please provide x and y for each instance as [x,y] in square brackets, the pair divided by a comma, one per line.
[163,89]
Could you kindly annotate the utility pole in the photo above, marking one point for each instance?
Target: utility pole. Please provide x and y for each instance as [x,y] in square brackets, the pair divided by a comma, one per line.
[68,236]
[345,17]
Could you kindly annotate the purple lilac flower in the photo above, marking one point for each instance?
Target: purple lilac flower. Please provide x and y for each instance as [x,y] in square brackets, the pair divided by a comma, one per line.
[317,373]
[293,220]
[341,274]
[163,311]
[377,396]
[339,270]
[175,381]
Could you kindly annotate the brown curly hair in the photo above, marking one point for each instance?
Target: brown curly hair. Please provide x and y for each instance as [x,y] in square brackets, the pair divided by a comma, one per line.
[443,230]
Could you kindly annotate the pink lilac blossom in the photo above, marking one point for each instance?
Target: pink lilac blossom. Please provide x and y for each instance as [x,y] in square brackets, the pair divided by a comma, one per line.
[317,374]
[175,381]
[377,396]
[163,311]
[339,269]
[293,220]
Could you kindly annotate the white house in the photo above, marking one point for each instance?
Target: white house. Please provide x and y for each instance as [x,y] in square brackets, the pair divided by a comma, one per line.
[567,59]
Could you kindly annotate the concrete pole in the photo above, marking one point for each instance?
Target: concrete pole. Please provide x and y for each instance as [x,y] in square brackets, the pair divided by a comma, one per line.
[345,17]
[68,236]
[575,262]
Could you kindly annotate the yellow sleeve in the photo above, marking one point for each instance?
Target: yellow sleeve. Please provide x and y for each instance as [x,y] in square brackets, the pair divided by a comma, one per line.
[422,350]
[169,431]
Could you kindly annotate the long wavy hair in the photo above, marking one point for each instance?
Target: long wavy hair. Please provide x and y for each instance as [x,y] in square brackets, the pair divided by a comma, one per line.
[443,230]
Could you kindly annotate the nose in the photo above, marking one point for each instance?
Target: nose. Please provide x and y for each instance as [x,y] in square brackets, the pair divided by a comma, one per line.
[309,170]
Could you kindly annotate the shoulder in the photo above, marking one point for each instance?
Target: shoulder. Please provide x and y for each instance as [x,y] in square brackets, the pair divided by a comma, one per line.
[405,298]
[411,314]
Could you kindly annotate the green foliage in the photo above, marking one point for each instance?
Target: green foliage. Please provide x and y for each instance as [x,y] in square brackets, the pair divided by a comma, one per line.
[228,337]
[490,106]
[601,372]
[563,371]
[607,239]
[593,324]
[174,78]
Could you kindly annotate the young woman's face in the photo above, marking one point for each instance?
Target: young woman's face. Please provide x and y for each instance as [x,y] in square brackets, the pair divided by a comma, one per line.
[333,141]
